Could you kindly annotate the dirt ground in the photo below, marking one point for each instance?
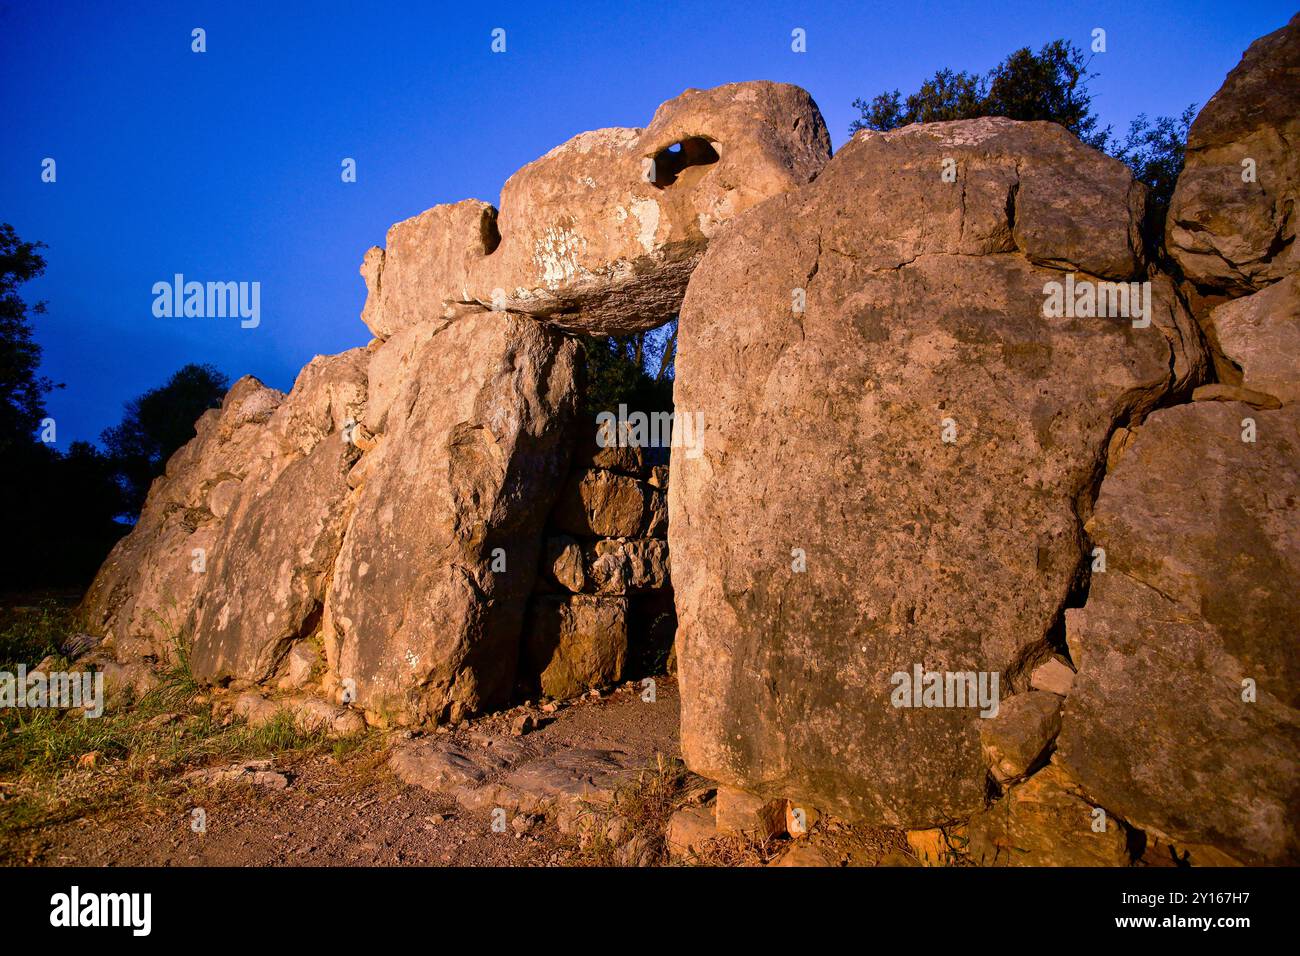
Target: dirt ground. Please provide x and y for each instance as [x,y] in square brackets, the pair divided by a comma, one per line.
[350,809]
[133,788]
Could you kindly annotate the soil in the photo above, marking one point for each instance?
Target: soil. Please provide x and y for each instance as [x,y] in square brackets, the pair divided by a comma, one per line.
[353,811]
[349,812]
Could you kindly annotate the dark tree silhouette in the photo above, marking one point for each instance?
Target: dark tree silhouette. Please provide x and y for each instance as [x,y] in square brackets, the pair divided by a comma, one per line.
[635,370]
[1050,85]
[59,509]
[158,423]
[22,388]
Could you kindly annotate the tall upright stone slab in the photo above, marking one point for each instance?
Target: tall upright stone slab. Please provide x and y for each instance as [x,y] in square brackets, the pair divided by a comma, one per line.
[429,592]
[900,448]
[1185,713]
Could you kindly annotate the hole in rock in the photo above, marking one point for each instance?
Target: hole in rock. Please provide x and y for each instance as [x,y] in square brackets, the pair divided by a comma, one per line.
[672,162]
[489,234]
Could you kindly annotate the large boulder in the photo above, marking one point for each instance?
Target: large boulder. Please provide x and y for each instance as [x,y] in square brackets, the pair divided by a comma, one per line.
[424,271]
[266,588]
[426,607]
[601,234]
[900,447]
[144,596]
[1232,220]
[236,540]
[577,642]
[1185,713]
[1260,336]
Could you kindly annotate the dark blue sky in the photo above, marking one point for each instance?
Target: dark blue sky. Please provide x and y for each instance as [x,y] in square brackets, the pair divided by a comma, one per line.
[225,165]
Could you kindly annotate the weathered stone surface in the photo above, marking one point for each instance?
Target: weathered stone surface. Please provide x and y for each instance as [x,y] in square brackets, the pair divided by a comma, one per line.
[564,780]
[1046,821]
[1053,676]
[248,510]
[328,397]
[621,566]
[313,715]
[564,562]
[302,660]
[258,773]
[689,829]
[924,303]
[739,812]
[266,587]
[929,846]
[124,683]
[427,621]
[800,818]
[1118,444]
[440,766]
[626,458]
[1199,596]
[143,597]
[1260,334]
[578,642]
[583,239]
[801,854]
[424,271]
[576,786]
[1229,231]
[1219,392]
[602,504]
[256,710]
[1016,738]
[656,522]
[392,365]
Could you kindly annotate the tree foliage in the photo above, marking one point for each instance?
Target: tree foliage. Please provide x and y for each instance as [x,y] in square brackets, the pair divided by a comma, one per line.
[1050,85]
[1155,152]
[158,423]
[60,507]
[635,370]
[22,387]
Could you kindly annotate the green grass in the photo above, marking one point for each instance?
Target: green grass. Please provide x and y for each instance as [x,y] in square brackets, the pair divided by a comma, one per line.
[136,750]
[139,752]
[29,634]
[177,685]
[155,732]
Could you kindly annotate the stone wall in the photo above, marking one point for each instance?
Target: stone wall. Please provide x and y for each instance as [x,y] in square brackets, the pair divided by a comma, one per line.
[603,606]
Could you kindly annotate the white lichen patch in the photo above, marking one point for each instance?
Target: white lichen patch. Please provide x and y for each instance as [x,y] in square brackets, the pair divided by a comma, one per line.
[646,212]
[721,211]
[556,254]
